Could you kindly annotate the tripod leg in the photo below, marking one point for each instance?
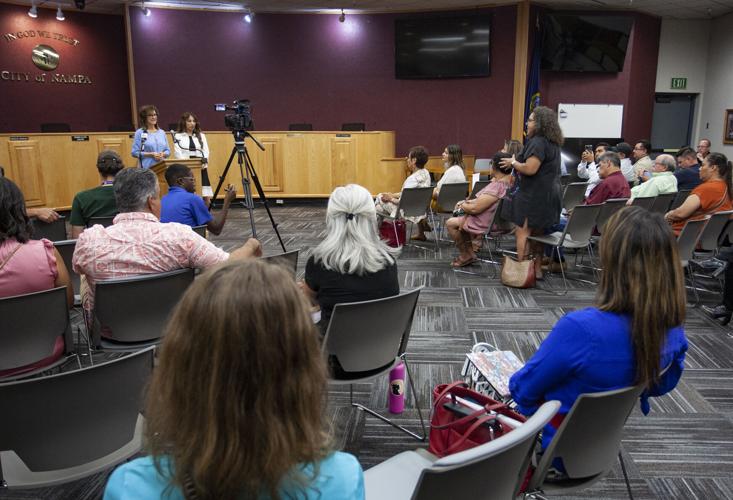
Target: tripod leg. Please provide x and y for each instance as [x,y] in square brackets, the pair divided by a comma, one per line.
[222,177]
[244,173]
[263,198]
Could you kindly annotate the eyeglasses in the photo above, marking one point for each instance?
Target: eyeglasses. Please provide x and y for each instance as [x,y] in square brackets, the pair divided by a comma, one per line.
[190,178]
[152,114]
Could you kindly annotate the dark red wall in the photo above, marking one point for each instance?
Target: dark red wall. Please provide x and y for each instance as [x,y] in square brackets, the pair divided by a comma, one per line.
[100,54]
[633,87]
[311,68]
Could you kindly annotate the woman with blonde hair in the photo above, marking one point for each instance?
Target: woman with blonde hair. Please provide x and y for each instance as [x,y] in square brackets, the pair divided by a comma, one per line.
[235,406]
[351,264]
[632,334]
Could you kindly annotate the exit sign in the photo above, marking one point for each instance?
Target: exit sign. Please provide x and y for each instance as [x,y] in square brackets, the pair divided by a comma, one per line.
[679,83]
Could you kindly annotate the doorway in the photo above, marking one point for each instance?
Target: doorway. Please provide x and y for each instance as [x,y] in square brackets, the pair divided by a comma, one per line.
[672,121]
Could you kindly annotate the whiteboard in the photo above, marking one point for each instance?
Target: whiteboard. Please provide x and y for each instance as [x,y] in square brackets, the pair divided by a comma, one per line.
[590,120]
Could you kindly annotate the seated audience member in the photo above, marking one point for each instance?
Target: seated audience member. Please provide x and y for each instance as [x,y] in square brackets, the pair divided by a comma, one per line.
[703,150]
[351,264]
[43,214]
[625,151]
[386,203]
[688,173]
[613,184]
[711,196]
[235,406]
[98,201]
[137,243]
[642,160]
[478,213]
[454,173]
[626,339]
[184,206]
[662,181]
[588,166]
[27,265]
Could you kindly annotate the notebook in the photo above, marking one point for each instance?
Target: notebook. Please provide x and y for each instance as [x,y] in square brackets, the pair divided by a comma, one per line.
[496,367]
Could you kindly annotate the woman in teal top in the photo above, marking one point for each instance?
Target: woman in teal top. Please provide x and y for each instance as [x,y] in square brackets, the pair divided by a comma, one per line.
[234,408]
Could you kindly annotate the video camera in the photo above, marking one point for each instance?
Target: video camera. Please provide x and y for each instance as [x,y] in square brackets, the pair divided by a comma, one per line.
[241,119]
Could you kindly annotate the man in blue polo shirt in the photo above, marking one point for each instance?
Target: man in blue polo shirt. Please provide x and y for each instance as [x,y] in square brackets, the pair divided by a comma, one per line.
[184,206]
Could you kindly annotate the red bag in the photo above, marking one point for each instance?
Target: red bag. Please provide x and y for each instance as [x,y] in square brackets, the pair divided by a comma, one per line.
[451,432]
[387,232]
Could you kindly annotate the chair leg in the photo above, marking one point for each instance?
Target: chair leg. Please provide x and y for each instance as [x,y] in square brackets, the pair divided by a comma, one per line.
[626,477]
[385,419]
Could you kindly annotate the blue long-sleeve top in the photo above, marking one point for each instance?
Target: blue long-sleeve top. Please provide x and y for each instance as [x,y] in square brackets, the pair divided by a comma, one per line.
[156,142]
[590,351]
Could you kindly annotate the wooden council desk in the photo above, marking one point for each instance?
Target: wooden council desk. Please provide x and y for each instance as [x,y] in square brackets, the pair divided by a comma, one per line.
[51,168]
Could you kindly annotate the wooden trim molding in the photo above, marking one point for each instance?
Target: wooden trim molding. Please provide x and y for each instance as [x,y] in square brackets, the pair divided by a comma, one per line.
[130,67]
[521,59]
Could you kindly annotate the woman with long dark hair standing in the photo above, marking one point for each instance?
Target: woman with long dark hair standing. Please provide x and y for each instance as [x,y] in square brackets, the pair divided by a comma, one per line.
[190,142]
[536,204]
[633,333]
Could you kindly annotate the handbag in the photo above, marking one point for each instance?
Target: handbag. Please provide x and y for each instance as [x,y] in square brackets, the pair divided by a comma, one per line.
[518,274]
[455,426]
[387,231]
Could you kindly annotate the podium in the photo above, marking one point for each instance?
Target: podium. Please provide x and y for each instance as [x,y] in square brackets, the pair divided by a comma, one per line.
[159,169]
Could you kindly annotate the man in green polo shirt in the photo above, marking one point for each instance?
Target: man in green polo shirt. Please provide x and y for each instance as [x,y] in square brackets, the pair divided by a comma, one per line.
[98,201]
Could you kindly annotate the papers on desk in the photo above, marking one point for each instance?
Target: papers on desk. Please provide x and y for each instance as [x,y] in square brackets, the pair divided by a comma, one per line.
[496,367]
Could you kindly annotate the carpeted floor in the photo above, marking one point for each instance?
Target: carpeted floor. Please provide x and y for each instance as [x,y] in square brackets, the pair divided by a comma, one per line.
[682,449]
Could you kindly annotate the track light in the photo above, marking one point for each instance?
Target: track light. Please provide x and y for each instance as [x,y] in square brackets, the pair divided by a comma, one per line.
[342,17]
[80,4]
[59,13]
[249,16]
[33,11]
[146,11]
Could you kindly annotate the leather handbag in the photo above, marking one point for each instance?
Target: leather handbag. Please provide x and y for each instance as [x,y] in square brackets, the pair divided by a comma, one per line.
[455,426]
[518,274]
[388,229]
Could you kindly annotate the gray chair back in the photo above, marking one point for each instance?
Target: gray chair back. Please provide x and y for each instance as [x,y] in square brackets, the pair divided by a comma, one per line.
[609,208]
[67,426]
[589,437]
[353,127]
[482,165]
[644,202]
[662,202]
[688,238]
[450,194]
[492,470]
[31,323]
[288,260]
[300,126]
[136,309]
[478,186]
[66,249]
[369,335]
[104,221]
[200,230]
[574,195]
[414,202]
[713,230]
[680,198]
[55,127]
[581,222]
[54,231]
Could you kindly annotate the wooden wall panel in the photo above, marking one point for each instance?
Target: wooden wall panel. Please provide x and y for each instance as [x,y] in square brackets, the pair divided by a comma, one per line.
[343,161]
[25,169]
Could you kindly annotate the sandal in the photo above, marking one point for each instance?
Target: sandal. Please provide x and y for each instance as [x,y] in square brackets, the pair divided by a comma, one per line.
[463,263]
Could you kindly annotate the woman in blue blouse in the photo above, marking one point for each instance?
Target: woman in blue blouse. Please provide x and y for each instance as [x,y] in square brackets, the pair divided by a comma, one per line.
[632,334]
[150,145]
[235,405]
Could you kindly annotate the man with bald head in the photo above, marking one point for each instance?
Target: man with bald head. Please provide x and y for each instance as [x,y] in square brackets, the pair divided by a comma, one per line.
[662,180]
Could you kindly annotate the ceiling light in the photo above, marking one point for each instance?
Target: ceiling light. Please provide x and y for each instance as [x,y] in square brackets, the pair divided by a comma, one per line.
[33,11]
[249,16]
[59,13]
[80,4]
[146,11]
[342,17]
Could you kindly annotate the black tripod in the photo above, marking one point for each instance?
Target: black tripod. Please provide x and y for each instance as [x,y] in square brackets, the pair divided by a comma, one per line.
[247,171]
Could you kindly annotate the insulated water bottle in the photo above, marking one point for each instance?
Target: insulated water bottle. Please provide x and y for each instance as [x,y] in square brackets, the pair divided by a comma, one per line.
[397,389]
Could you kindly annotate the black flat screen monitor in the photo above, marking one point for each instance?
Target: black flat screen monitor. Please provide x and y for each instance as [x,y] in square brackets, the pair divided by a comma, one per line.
[442,47]
[580,42]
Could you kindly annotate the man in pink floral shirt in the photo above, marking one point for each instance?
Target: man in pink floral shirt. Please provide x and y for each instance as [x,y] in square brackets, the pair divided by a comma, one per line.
[137,243]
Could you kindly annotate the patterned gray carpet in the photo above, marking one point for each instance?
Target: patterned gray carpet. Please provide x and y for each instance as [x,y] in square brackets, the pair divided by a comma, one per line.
[682,449]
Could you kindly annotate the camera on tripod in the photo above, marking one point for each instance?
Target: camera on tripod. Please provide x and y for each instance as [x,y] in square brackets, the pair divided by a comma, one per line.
[241,119]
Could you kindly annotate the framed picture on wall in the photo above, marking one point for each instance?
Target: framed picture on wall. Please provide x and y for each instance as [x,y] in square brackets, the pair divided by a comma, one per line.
[728,127]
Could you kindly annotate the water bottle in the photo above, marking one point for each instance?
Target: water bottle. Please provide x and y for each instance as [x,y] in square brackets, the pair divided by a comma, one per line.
[397,389]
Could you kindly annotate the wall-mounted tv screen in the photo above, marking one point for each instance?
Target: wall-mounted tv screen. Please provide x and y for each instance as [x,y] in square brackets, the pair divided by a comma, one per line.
[442,47]
[580,42]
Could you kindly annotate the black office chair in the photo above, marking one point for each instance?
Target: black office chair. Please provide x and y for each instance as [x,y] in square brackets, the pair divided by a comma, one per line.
[300,126]
[123,127]
[54,231]
[353,127]
[55,127]
[105,221]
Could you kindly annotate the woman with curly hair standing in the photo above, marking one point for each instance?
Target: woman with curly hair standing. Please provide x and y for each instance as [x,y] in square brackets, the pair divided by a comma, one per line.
[537,203]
